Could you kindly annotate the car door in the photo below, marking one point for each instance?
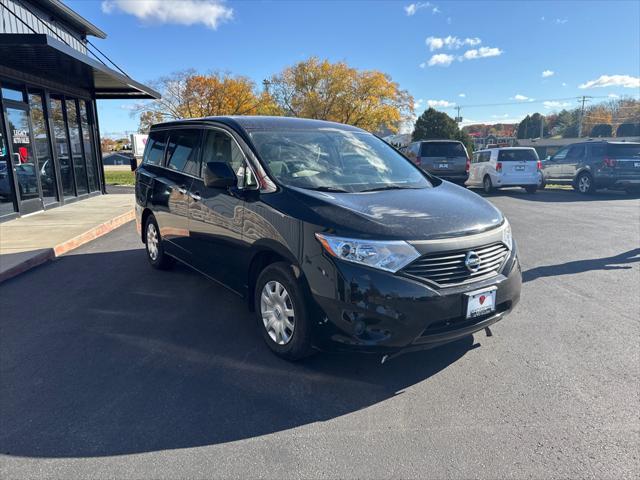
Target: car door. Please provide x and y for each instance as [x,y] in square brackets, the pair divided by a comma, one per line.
[552,167]
[574,159]
[171,195]
[216,214]
[473,169]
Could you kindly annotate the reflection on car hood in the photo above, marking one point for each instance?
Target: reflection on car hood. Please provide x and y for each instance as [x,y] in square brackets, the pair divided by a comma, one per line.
[446,210]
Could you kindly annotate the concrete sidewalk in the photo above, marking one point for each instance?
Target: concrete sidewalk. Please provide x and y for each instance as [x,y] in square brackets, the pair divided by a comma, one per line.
[34,239]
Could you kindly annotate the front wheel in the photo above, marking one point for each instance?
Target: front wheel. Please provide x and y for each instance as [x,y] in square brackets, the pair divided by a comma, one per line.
[487,186]
[281,312]
[584,184]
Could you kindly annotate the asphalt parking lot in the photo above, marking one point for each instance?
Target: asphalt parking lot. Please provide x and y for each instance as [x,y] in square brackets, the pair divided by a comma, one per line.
[119,371]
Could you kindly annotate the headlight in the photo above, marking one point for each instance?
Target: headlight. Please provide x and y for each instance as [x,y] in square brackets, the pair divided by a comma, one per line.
[385,255]
[507,238]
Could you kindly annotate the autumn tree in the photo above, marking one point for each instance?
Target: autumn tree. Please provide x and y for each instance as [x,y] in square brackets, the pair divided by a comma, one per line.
[187,94]
[323,90]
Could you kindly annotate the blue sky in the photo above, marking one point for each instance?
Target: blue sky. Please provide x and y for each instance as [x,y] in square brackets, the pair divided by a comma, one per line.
[490,52]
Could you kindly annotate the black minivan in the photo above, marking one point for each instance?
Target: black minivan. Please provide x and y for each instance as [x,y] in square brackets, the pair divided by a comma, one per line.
[336,240]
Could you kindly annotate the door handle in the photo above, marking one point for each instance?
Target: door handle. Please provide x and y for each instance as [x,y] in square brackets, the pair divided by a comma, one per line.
[196,197]
[182,190]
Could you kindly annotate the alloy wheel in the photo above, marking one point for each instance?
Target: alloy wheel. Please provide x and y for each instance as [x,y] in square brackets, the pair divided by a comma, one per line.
[152,241]
[277,312]
[584,184]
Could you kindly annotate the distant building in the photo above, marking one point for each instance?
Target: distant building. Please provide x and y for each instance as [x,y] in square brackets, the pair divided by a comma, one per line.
[492,140]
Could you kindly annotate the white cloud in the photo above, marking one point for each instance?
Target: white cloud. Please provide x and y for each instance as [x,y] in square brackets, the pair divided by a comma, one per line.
[448,20]
[440,103]
[555,104]
[481,52]
[521,98]
[506,115]
[548,73]
[564,84]
[561,21]
[462,95]
[451,42]
[626,81]
[435,10]
[412,8]
[418,104]
[613,95]
[441,59]
[422,65]
[210,13]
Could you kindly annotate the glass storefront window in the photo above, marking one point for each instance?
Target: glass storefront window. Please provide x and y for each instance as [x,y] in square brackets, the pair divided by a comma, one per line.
[92,167]
[43,149]
[61,143]
[6,184]
[79,165]
[24,165]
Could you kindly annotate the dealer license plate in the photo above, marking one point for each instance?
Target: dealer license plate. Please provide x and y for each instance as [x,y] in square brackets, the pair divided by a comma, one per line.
[481,302]
[519,168]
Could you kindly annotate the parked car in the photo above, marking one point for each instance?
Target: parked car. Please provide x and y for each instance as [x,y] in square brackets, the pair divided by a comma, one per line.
[446,159]
[504,167]
[335,239]
[588,166]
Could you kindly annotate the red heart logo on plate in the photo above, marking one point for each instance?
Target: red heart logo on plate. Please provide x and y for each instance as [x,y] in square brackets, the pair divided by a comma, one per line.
[482,299]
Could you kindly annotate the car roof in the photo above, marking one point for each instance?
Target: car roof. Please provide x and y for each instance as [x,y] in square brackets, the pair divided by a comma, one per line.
[504,148]
[444,140]
[249,123]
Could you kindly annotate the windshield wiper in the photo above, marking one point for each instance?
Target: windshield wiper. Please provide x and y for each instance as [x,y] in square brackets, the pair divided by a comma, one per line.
[387,187]
[327,188]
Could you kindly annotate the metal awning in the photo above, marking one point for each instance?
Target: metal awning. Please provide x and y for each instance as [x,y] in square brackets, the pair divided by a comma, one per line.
[46,57]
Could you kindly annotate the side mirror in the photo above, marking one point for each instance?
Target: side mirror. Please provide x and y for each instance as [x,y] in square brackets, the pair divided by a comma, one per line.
[219,175]
[133,163]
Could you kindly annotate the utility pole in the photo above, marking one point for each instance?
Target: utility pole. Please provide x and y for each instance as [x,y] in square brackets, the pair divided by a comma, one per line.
[585,98]
[458,117]
[541,126]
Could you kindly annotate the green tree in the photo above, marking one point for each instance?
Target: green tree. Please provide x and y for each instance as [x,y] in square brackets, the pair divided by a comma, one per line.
[433,124]
[530,126]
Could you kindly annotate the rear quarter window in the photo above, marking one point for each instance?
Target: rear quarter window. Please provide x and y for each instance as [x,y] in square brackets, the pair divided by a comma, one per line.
[517,155]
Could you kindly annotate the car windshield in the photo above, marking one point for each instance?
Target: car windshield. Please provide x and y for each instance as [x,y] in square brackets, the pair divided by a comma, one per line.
[517,155]
[631,150]
[335,160]
[442,149]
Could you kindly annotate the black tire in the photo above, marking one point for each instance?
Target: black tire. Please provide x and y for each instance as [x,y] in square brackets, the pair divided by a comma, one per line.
[531,188]
[159,259]
[299,344]
[543,184]
[584,184]
[487,186]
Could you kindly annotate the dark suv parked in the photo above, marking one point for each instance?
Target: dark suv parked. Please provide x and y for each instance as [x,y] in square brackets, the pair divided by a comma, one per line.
[592,165]
[334,238]
[446,159]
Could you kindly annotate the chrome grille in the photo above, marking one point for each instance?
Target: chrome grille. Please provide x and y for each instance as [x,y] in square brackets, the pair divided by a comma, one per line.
[448,268]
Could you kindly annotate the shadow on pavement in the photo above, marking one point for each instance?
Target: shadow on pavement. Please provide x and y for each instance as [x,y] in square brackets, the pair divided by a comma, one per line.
[616,262]
[101,355]
[558,195]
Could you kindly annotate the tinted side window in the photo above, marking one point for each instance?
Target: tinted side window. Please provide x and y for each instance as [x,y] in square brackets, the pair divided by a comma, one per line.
[220,147]
[561,154]
[597,151]
[154,150]
[183,151]
[575,152]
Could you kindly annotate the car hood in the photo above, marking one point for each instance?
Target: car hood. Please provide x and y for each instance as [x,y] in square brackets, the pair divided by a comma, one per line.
[446,210]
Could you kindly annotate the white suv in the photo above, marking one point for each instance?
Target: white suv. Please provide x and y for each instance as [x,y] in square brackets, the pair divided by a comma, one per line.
[504,167]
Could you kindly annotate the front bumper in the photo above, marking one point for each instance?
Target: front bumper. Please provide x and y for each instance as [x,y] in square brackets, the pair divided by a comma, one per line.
[379,312]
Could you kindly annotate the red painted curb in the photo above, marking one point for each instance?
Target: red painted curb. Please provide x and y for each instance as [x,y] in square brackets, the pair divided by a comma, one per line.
[67,246]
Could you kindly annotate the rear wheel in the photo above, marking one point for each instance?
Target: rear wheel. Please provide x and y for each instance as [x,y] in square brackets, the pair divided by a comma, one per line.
[531,188]
[281,312]
[541,181]
[584,184]
[155,250]
[487,186]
